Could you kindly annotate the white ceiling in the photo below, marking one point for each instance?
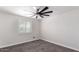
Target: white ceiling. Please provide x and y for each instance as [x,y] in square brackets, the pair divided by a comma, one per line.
[18,9]
[62,9]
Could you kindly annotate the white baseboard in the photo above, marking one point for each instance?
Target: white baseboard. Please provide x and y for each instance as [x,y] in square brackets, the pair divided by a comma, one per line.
[61,45]
[4,46]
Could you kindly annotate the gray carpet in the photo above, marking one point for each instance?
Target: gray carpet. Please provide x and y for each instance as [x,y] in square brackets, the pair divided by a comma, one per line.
[36,46]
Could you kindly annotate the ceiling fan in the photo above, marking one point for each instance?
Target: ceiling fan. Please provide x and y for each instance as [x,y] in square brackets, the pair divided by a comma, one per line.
[42,13]
[36,12]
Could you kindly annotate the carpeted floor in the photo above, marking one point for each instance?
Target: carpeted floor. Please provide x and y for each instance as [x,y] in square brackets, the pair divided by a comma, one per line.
[36,46]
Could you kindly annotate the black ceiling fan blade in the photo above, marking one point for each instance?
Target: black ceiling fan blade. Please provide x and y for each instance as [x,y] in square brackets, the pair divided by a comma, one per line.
[46,15]
[44,9]
[41,16]
[47,12]
[37,10]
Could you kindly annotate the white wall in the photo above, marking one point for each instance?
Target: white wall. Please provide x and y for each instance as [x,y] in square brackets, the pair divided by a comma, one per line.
[62,29]
[8,30]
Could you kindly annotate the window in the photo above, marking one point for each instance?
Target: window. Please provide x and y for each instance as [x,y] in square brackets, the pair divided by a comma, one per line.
[25,26]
